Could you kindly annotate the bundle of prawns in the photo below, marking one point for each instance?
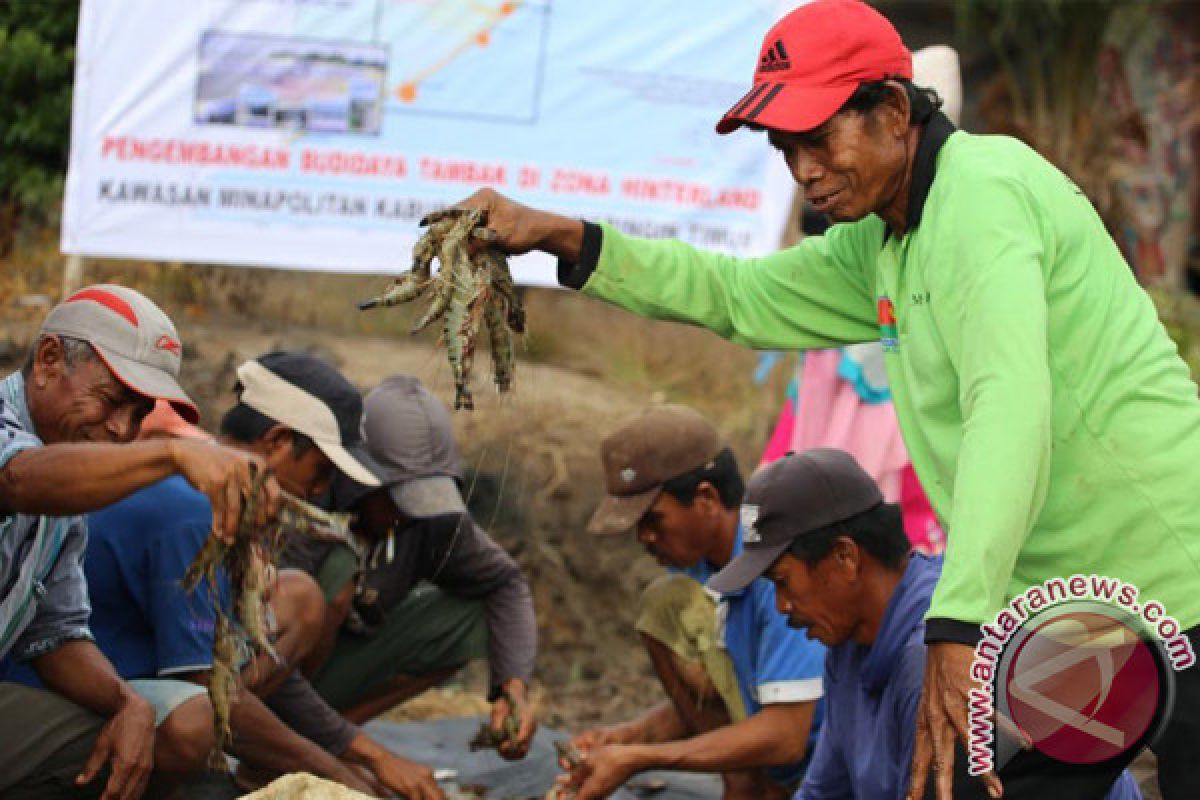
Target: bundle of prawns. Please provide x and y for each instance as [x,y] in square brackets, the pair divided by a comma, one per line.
[472,287]
[245,563]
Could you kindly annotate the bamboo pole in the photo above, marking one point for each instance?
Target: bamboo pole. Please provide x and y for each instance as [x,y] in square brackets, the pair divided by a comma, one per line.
[72,274]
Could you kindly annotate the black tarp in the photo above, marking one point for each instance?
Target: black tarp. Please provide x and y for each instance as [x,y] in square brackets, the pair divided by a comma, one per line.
[442,744]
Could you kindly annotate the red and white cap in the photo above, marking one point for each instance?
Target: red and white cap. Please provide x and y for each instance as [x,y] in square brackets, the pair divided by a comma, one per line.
[812,60]
[132,336]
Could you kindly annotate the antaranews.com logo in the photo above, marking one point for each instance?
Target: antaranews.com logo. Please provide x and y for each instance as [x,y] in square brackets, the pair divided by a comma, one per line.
[1082,670]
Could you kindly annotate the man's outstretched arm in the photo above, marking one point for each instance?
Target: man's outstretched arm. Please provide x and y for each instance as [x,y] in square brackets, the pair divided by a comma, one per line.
[74,478]
[775,736]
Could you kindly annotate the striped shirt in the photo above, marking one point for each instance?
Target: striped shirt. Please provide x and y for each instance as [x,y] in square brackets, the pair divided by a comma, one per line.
[43,594]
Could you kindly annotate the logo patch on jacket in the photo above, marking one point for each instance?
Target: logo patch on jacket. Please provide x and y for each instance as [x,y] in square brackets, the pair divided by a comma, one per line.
[888,336]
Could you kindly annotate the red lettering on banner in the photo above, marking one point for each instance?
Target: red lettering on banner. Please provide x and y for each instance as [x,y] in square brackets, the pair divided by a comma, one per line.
[575,181]
[458,171]
[529,177]
[665,190]
[744,199]
[682,193]
[340,162]
[194,153]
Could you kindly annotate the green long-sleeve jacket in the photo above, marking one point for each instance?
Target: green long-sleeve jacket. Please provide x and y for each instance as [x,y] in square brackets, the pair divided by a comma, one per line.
[1045,409]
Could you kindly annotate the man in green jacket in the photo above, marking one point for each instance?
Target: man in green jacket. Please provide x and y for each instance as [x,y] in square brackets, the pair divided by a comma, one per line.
[1046,411]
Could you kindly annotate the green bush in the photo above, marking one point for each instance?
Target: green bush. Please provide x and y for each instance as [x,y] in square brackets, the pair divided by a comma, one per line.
[37,63]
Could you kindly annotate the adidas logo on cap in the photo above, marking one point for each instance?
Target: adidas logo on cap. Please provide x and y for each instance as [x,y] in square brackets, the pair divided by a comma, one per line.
[775,59]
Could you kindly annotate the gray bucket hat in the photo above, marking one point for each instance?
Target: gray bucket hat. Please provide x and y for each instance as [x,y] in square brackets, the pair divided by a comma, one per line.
[410,444]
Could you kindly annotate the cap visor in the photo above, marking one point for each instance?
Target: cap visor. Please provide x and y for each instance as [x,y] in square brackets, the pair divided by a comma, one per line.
[348,464]
[428,497]
[619,514]
[345,492]
[741,572]
[149,382]
[165,420]
[785,107]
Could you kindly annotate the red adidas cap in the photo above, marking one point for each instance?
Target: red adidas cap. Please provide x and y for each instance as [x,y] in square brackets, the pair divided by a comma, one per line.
[812,60]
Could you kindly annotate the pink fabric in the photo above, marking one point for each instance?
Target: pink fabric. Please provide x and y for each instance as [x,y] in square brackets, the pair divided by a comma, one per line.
[830,413]
[781,439]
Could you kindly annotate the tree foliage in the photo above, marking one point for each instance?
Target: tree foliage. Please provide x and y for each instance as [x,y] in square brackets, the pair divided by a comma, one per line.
[37,64]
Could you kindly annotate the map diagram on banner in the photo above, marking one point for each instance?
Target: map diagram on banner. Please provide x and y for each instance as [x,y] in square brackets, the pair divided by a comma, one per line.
[467,58]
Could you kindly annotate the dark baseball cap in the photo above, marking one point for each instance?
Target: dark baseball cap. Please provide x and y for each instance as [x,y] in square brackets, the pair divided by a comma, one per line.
[306,394]
[798,494]
[660,443]
[812,60]
[410,444]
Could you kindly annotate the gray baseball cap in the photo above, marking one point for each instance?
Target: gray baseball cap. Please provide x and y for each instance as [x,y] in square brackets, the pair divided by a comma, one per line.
[410,443]
[798,494]
[132,336]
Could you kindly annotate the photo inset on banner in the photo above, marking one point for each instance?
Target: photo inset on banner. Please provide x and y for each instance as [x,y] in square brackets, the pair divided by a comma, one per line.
[305,85]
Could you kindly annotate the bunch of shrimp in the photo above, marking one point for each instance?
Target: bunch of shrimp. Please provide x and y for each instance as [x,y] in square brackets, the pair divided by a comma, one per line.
[473,288]
[247,563]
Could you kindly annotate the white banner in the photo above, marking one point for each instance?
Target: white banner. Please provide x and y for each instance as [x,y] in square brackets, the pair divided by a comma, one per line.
[314,134]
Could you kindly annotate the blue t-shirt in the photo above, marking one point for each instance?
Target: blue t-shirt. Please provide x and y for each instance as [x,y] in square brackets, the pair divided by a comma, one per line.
[774,663]
[873,694]
[138,551]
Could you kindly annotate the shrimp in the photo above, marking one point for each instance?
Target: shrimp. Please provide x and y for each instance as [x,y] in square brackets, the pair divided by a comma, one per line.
[442,293]
[457,330]
[488,737]
[502,352]
[469,291]
[502,284]
[245,563]
[222,688]
[406,288]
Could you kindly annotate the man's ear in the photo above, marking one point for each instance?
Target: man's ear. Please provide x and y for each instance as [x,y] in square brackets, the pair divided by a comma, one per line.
[898,109]
[847,555]
[49,361]
[708,493]
[781,567]
[275,440]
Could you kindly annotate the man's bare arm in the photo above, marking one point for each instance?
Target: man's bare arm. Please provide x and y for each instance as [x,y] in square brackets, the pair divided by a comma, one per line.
[74,478]
[66,479]
[659,724]
[776,736]
[262,740]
